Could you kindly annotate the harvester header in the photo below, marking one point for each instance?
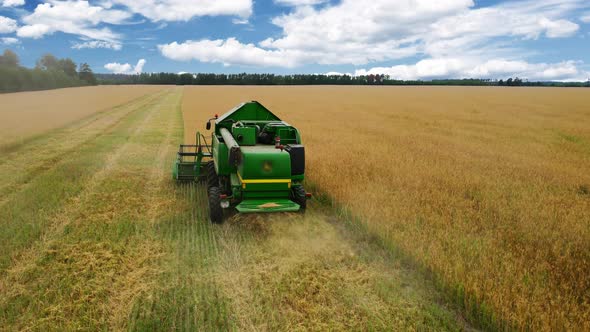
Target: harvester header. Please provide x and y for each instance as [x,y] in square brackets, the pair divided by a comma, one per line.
[255,162]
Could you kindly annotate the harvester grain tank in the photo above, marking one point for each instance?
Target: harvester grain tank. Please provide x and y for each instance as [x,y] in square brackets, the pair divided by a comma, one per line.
[255,162]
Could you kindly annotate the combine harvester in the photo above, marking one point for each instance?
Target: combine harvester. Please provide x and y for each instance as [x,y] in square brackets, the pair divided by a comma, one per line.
[255,163]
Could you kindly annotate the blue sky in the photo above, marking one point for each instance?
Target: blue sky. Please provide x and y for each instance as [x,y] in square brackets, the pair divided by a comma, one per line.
[406,39]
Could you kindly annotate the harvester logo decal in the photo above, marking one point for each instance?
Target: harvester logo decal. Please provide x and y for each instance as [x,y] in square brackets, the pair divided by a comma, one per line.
[267,166]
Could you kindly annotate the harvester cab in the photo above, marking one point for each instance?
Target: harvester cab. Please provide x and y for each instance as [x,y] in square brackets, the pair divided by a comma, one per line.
[255,162]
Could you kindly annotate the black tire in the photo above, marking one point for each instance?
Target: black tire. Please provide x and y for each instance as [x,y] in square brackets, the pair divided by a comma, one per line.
[212,178]
[298,196]
[215,210]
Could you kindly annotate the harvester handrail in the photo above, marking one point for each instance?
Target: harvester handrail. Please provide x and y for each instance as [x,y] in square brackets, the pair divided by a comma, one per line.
[199,145]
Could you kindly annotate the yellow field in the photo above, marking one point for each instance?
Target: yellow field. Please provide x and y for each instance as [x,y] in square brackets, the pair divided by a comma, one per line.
[96,235]
[26,114]
[489,188]
[486,189]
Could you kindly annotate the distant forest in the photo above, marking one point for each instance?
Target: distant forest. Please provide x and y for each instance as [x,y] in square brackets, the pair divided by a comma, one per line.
[307,79]
[52,73]
[49,73]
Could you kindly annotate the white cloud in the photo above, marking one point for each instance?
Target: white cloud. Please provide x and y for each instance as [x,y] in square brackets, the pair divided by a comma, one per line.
[232,52]
[240,21]
[472,68]
[97,44]
[526,19]
[182,10]
[118,68]
[13,3]
[364,31]
[227,52]
[139,66]
[80,17]
[7,25]
[585,18]
[74,17]
[299,2]
[33,31]
[9,41]
[335,73]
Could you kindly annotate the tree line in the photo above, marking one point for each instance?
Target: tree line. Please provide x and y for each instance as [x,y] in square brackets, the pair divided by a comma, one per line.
[49,73]
[306,79]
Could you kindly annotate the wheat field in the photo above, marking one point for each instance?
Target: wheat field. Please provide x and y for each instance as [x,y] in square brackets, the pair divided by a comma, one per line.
[487,188]
[95,235]
[436,208]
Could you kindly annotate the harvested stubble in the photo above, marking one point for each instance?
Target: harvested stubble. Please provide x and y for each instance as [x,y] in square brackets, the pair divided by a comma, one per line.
[27,114]
[486,187]
[77,239]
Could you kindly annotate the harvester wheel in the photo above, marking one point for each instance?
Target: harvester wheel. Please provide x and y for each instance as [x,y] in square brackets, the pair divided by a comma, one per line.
[298,194]
[212,178]
[215,210]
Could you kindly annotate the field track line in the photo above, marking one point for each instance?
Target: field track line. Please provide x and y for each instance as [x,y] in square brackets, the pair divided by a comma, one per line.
[154,186]
[20,168]
[30,257]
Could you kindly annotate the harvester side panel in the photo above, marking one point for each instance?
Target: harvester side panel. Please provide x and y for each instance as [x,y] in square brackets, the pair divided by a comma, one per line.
[220,155]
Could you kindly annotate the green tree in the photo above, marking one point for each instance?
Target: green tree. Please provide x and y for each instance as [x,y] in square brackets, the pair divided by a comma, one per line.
[9,58]
[85,73]
[47,62]
[68,66]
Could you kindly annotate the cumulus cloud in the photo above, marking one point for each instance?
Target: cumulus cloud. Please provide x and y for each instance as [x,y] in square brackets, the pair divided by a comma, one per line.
[472,68]
[526,19]
[118,68]
[9,41]
[97,44]
[227,52]
[13,3]
[359,32]
[34,31]
[181,10]
[74,17]
[7,25]
[585,18]
[232,52]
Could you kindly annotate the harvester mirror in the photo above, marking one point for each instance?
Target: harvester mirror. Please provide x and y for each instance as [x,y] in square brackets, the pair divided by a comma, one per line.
[208,126]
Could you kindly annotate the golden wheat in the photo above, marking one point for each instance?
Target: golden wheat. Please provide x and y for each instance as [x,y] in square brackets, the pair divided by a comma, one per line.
[487,187]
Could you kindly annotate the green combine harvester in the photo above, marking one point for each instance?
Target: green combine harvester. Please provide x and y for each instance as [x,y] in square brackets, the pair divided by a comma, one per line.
[255,162]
